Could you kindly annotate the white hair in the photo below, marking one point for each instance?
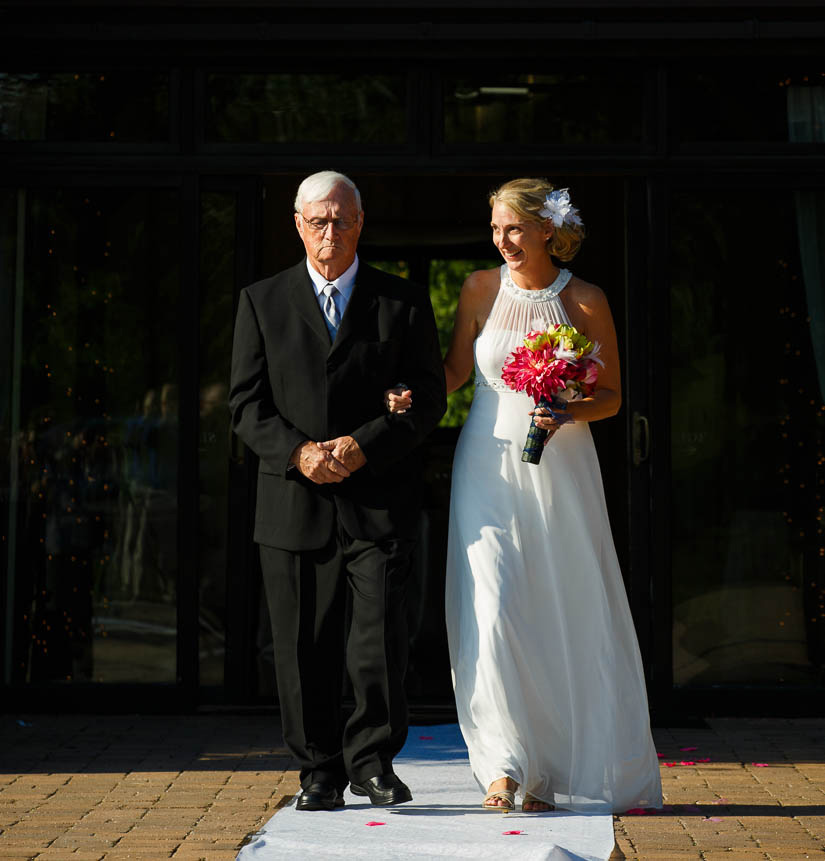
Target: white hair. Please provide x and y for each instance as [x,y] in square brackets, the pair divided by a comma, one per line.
[319,185]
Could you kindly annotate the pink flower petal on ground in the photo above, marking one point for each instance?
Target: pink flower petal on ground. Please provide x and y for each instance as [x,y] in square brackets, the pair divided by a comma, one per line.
[760,764]
[671,764]
[425,737]
[635,811]
[712,819]
[687,762]
[375,823]
[512,832]
[688,748]
[660,755]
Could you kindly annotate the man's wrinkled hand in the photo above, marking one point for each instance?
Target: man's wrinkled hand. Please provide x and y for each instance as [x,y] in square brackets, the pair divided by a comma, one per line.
[346,450]
[318,464]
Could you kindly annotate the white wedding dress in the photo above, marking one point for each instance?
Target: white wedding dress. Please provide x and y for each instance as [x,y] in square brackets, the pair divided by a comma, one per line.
[546,668]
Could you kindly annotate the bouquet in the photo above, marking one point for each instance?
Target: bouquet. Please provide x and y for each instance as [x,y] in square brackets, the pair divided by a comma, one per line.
[549,364]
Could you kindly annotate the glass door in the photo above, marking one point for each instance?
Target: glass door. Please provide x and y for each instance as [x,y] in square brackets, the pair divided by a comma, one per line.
[435,230]
[90,419]
[747,436]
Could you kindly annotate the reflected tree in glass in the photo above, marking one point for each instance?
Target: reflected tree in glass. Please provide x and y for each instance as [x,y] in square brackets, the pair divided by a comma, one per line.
[306,108]
[106,106]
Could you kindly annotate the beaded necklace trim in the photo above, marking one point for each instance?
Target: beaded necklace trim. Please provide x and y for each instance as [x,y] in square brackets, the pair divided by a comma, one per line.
[549,292]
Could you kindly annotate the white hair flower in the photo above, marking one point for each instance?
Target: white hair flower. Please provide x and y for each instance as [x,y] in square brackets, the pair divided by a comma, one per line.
[557,206]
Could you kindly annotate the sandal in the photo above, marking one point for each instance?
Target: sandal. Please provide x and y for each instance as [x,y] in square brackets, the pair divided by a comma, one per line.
[529,798]
[506,796]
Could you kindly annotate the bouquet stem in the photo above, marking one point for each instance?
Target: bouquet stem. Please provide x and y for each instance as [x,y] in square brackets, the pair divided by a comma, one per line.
[536,437]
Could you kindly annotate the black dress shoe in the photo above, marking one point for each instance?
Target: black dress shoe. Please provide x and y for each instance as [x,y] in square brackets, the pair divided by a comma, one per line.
[383,790]
[320,796]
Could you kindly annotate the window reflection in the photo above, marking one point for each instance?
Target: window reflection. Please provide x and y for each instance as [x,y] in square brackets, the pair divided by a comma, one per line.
[94,426]
[744,103]
[562,109]
[105,106]
[306,108]
[748,433]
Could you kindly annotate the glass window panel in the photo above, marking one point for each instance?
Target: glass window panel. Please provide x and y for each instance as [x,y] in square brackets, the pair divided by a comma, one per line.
[306,108]
[94,561]
[747,438]
[564,109]
[218,222]
[87,107]
[744,103]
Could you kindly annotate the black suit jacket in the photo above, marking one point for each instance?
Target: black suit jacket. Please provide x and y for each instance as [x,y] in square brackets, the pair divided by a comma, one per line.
[290,384]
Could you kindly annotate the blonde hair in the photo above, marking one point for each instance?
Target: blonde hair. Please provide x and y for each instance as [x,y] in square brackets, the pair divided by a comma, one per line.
[525,197]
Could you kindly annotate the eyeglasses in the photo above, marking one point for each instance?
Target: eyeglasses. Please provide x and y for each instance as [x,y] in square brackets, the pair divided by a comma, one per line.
[321,224]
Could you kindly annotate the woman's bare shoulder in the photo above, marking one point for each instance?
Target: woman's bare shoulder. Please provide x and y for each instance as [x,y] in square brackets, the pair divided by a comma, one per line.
[480,286]
[482,279]
[588,297]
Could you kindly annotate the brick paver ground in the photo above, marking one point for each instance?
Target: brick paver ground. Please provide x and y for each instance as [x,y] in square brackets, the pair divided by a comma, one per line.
[85,788]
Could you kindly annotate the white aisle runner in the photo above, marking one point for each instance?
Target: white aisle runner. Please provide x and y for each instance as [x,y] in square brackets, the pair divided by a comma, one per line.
[444,819]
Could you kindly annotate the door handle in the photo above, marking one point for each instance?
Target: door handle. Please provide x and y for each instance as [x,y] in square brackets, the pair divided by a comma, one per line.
[236,449]
[641,439]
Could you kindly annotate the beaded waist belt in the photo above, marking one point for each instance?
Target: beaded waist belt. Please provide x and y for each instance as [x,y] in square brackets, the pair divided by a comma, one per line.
[497,385]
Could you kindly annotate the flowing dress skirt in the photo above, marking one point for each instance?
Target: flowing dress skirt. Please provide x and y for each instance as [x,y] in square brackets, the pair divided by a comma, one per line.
[546,668]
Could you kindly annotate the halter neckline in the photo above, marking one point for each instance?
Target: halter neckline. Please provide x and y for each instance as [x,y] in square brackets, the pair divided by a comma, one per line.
[549,292]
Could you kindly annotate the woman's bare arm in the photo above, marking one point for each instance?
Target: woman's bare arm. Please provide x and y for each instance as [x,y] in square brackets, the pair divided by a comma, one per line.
[589,312]
[474,304]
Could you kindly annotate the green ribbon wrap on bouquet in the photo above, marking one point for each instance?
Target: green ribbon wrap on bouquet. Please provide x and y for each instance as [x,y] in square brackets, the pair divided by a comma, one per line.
[536,436]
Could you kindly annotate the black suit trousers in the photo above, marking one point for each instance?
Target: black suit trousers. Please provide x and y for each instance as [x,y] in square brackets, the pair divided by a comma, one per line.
[307,593]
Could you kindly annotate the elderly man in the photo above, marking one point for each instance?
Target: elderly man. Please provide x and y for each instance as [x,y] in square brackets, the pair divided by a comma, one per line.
[315,348]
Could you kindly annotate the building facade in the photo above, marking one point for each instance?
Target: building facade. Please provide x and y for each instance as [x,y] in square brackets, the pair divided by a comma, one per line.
[149,154]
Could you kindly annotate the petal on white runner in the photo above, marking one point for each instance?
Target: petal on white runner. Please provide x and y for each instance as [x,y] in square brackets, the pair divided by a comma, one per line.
[444,819]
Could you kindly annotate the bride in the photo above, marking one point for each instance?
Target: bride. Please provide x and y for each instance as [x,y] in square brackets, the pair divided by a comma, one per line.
[548,679]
